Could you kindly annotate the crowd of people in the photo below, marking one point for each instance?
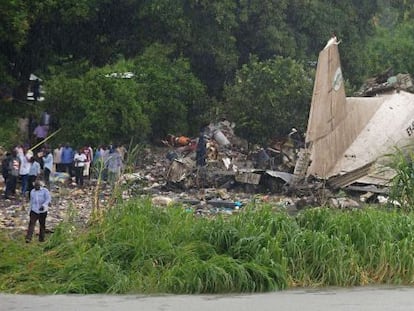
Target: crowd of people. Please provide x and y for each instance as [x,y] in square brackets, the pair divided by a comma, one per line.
[25,166]
[32,169]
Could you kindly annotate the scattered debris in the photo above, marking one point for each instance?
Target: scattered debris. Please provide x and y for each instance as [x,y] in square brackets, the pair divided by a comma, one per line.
[386,82]
[345,141]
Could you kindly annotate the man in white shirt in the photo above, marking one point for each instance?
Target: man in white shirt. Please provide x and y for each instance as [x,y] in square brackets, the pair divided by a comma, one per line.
[24,169]
[39,204]
[87,150]
[79,159]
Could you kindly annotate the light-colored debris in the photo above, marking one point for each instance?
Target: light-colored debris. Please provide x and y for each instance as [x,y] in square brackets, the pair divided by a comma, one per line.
[248,177]
[162,201]
[343,203]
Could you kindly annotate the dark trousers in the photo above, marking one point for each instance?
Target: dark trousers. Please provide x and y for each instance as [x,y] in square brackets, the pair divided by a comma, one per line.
[30,184]
[79,175]
[10,186]
[25,180]
[34,217]
[46,173]
[67,167]
[59,167]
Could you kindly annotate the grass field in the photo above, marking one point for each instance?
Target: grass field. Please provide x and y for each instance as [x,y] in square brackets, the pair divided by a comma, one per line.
[138,248]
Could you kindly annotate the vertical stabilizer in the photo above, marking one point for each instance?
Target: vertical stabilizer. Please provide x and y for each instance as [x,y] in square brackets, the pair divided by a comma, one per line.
[328,101]
[346,136]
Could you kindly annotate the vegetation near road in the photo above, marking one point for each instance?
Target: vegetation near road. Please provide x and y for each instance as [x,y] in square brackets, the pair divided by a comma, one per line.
[193,62]
[137,248]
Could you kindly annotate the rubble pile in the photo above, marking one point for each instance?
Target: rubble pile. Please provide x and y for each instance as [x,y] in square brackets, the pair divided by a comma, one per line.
[232,178]
[386,82]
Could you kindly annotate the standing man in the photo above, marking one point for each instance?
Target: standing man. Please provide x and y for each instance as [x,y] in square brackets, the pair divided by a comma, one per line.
[79,159]
[296,139]
[67,159]
[57,158]
[5,163]
[201,151]
[24,157]
[33,173]
[87,150]
[39,204]
[36,90]
[47,166]
[114,165]
[12,175]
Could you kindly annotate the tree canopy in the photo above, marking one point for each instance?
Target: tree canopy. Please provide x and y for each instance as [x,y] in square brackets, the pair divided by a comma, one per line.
[268,98]
[188,56]
[149,95]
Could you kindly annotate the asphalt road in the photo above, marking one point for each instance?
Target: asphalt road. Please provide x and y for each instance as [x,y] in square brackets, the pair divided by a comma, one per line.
[355,299]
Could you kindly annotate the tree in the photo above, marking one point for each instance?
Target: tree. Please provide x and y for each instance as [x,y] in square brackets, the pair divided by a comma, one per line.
[312,23]
[37,34]
[97,107]
[103,104]
[169,90]
[268,98]
[263,30]
[202,31]
[392,48]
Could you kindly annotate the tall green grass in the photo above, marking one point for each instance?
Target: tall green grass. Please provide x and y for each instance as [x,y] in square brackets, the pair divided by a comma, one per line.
[402,184]
[139,248]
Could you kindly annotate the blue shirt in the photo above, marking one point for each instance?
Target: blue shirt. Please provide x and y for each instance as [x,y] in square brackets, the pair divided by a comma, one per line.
[114,162]
[38,199]
[67,155]
[34,169]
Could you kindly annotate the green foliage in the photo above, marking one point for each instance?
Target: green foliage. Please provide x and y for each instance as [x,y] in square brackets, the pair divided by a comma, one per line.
[15,23]
[139,248]
[392,48]
[264,30]
[97,108]
[9,131]
[402,184]
[374,244]
[188,48]
[203,31]
[100,106]
[268,98]
[8,134]
[168,89]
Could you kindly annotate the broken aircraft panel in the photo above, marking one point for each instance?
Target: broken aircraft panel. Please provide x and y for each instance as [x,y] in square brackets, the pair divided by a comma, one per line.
[347,138]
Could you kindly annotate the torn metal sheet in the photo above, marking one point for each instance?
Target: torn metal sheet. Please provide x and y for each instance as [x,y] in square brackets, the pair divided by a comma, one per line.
[369,189]
[287,177]
[345,135]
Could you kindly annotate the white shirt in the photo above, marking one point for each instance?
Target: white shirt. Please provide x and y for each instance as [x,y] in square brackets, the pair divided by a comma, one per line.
[57,154]
[48,161]
[79,159]
[38,199]
[24,165]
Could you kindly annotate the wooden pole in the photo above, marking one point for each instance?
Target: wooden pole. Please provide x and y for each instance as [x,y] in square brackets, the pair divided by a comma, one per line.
[47,138]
